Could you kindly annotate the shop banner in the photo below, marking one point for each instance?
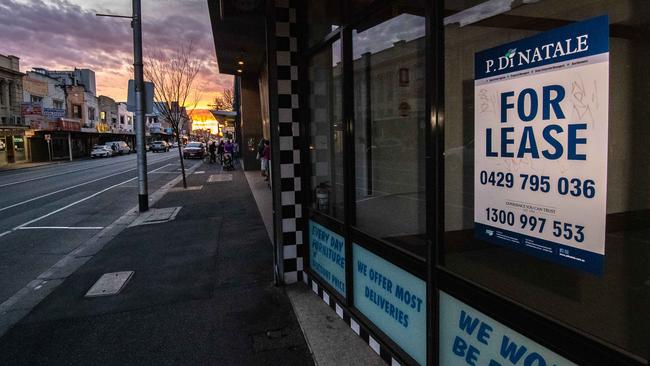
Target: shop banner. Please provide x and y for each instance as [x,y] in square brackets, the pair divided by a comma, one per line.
[541,120]
[393,299]
[53,113]
[31,109]
[469,337]
[327,256]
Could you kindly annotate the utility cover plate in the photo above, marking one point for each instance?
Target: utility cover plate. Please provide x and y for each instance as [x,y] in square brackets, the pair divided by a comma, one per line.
[220,178]
[156,216]
[189,188]
[110,284]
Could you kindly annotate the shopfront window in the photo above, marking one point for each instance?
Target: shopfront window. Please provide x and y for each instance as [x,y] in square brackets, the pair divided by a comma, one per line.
[389,126]
[326,130]
[555,175]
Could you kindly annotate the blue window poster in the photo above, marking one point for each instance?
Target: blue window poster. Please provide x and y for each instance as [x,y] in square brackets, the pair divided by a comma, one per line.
[469,337]
[541,123]
[327,256]
[393,299]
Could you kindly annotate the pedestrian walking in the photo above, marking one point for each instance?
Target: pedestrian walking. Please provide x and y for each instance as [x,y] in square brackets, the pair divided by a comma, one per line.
[266,159]
[220,151]
[260,155]
[213,152]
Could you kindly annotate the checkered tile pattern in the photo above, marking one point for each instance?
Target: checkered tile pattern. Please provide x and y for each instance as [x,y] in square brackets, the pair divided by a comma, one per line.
[381,349]
[286,53]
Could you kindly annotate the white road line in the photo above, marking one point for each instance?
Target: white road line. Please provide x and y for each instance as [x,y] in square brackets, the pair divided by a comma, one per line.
[71,171]
[81,200]
[61,228]
[5,233]
[72,187]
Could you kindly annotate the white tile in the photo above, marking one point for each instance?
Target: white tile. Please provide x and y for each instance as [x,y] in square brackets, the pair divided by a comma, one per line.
[288,226]
[283,58]
[355,327]
[298,211]
[290,277]
[299,237]
[288,198]
[305,278]
[293,44]
[287,171]
[282,29]
[339,310]
[286,142]
[314,287]
[295,101]
[294,75]
[393,362]
[292,15]
[295,129]
[289,251]
[373,344]
[284,86]
[300,264]
[297,183]
[285,115]
[326,298]
[296,156]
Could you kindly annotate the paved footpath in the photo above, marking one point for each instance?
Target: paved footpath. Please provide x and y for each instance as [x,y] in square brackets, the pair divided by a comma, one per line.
[202,293]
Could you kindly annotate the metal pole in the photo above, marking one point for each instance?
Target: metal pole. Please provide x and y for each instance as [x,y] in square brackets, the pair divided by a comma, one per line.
[70,145]
[143,194]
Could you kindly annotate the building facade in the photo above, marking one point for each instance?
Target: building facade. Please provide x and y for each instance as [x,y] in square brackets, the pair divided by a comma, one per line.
[12,127]
[464,183]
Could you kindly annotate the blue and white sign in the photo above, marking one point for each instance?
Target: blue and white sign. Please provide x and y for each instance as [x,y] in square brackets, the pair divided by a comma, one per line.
[541,121]
[393,299]
[469,337]
[53,113]
[327,255]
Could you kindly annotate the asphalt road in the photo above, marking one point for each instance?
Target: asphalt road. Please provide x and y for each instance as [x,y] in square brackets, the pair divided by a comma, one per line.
[47,212]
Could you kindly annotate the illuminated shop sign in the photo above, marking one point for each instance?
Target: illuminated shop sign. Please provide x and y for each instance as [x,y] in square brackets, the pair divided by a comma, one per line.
[393,299]
[327,256]
[469,337]
[541,121]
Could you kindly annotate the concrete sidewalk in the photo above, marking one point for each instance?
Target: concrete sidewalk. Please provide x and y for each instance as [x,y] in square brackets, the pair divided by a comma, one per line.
[202,292]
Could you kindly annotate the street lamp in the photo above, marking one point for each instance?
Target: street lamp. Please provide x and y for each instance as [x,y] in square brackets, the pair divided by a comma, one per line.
[136,24]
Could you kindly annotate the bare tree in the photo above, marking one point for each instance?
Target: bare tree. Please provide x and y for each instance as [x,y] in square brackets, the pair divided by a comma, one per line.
[225,101]
[173,74]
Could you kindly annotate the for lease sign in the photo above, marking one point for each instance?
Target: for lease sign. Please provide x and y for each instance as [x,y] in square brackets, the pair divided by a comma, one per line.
[541,121]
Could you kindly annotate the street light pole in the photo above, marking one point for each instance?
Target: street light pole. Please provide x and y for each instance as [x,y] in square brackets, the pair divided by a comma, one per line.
[136,24]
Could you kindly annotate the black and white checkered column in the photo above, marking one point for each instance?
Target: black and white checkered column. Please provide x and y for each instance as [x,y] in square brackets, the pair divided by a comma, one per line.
[288,120]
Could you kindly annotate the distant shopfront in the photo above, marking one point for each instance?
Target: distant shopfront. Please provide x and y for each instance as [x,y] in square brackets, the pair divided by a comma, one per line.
[464,183]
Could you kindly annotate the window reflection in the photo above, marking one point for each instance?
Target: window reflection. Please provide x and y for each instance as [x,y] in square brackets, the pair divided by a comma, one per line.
[389,91]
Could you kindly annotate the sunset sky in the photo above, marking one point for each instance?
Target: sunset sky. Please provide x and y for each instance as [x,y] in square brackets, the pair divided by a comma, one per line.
[64,34]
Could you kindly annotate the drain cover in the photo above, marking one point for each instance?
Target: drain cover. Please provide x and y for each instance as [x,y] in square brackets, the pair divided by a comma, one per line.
[110,284]
[189,188]
[220,178]
[156,216]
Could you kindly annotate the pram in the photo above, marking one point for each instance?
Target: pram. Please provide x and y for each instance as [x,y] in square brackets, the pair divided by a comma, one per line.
[227,162]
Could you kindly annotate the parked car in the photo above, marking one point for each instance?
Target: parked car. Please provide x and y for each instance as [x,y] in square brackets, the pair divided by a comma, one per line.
[101,151]
[159,146]
[119,147]
[194,150]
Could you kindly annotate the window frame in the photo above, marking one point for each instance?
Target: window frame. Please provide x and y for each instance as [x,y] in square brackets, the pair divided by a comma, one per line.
[569,342]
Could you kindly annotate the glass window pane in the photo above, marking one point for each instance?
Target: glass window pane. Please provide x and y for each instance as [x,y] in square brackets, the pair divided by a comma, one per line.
[389,127]
[612,306]
[326,130]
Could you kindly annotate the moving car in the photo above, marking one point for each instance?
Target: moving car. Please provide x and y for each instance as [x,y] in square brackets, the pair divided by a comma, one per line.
[119,147]
[101,151]
[194,150]
[159,146]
